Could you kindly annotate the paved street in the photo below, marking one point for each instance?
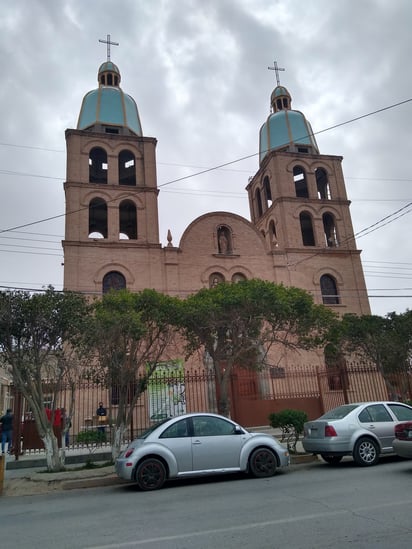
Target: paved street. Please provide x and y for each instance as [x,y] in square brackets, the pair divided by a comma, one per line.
[311,506]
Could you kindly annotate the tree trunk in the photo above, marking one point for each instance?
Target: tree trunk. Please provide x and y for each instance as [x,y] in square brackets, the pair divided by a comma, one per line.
[55,458]
[117,440]
[224,400]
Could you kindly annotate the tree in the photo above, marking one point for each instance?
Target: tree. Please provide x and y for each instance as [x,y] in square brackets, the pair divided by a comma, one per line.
[237,323]
[37,333]
[126,337]
[385,341]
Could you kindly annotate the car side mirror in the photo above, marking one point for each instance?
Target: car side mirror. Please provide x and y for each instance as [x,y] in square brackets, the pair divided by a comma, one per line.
[238,430]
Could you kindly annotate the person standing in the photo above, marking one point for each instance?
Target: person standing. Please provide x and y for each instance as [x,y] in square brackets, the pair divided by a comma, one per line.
[7,430]
[101,414]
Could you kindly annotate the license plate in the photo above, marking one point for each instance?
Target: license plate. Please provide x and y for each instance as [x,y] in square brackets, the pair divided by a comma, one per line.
[409,434]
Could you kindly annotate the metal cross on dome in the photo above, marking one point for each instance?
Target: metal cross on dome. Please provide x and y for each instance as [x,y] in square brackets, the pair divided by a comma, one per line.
[108,43]
[276,69]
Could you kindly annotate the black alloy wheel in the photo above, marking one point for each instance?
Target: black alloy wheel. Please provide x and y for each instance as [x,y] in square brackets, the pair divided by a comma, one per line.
[262,463]
[150,474]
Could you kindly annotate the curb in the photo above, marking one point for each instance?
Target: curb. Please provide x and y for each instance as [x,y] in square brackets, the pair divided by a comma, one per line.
[43,483]
[297,459]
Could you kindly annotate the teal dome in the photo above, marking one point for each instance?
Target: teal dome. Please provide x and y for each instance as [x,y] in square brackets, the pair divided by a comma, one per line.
[108,66]
[285,129]
[108,109]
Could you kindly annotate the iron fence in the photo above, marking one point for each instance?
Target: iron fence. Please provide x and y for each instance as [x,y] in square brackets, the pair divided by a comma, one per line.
[252,393]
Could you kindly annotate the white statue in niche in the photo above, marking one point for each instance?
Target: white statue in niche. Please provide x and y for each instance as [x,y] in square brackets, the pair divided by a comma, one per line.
[223,241]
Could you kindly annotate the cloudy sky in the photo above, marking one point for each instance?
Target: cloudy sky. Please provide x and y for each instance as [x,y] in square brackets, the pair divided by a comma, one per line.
[198,70]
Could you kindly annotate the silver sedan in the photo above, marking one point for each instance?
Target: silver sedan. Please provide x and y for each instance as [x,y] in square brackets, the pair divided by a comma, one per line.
[362,430]
[195,445]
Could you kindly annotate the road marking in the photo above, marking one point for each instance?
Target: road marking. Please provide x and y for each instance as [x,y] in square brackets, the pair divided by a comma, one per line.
[287,520]
[135,543]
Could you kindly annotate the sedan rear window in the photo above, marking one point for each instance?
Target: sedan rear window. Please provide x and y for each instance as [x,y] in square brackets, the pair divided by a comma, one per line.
[340,412]
[403,413]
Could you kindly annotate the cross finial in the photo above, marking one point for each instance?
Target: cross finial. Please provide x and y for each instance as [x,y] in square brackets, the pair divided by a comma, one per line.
[276,69]
[108,43]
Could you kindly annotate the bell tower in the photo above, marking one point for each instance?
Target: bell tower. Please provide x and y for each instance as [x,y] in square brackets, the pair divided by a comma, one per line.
[112,225]
[298,202]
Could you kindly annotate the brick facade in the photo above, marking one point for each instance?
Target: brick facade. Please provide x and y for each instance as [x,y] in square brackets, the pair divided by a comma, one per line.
[300,228]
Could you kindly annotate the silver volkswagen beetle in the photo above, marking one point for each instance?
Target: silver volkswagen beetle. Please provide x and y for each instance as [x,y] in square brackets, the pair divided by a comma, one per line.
[363,430]
[198,444]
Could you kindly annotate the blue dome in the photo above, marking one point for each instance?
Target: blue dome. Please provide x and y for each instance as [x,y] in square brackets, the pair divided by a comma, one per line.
[108,66]
[285,128]
[108,105]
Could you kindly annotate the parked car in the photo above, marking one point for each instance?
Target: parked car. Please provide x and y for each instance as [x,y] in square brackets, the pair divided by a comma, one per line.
[195,445]
[363,430]
[402,443]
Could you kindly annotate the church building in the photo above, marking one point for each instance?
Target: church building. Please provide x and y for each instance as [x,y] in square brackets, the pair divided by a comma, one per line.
[299,233]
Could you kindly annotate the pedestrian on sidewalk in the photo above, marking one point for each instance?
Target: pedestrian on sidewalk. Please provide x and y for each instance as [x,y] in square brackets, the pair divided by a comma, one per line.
[7,430]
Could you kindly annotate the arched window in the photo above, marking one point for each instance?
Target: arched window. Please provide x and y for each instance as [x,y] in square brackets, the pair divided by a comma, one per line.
[258,198]
[329,290]
[267,191]
[127,168]
[301,185]
[306,227]
[224,240]
[113,281]
[329,228]
[97,218]
[215,279]
[322,184]
[272,234]
[238,277]
[97,165]
[127,220]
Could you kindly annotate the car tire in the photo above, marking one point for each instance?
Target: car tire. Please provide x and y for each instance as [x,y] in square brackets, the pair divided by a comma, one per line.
[332,460]
[366,452]
[262,463]
[150,474]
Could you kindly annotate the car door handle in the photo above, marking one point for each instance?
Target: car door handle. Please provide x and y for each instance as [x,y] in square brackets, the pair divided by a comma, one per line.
[196,442]
[371,426]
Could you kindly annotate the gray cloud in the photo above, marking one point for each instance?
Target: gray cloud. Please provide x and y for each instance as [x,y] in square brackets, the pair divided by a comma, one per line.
[198,72]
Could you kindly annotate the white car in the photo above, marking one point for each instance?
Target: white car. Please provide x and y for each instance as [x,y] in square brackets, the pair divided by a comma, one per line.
[195,445]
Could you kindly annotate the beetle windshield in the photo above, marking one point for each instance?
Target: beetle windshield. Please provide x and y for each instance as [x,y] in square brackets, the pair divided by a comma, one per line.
[152,428]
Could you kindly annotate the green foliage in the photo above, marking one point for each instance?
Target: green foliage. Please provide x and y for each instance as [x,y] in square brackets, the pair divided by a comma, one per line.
[38,333]
[237,323]
[91,437]
[291,423]
[385,341]
[125,338]
[250,310]
[34,327]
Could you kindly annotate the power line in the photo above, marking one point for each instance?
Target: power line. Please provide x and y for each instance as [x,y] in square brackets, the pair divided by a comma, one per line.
[223,165]
[90,292]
